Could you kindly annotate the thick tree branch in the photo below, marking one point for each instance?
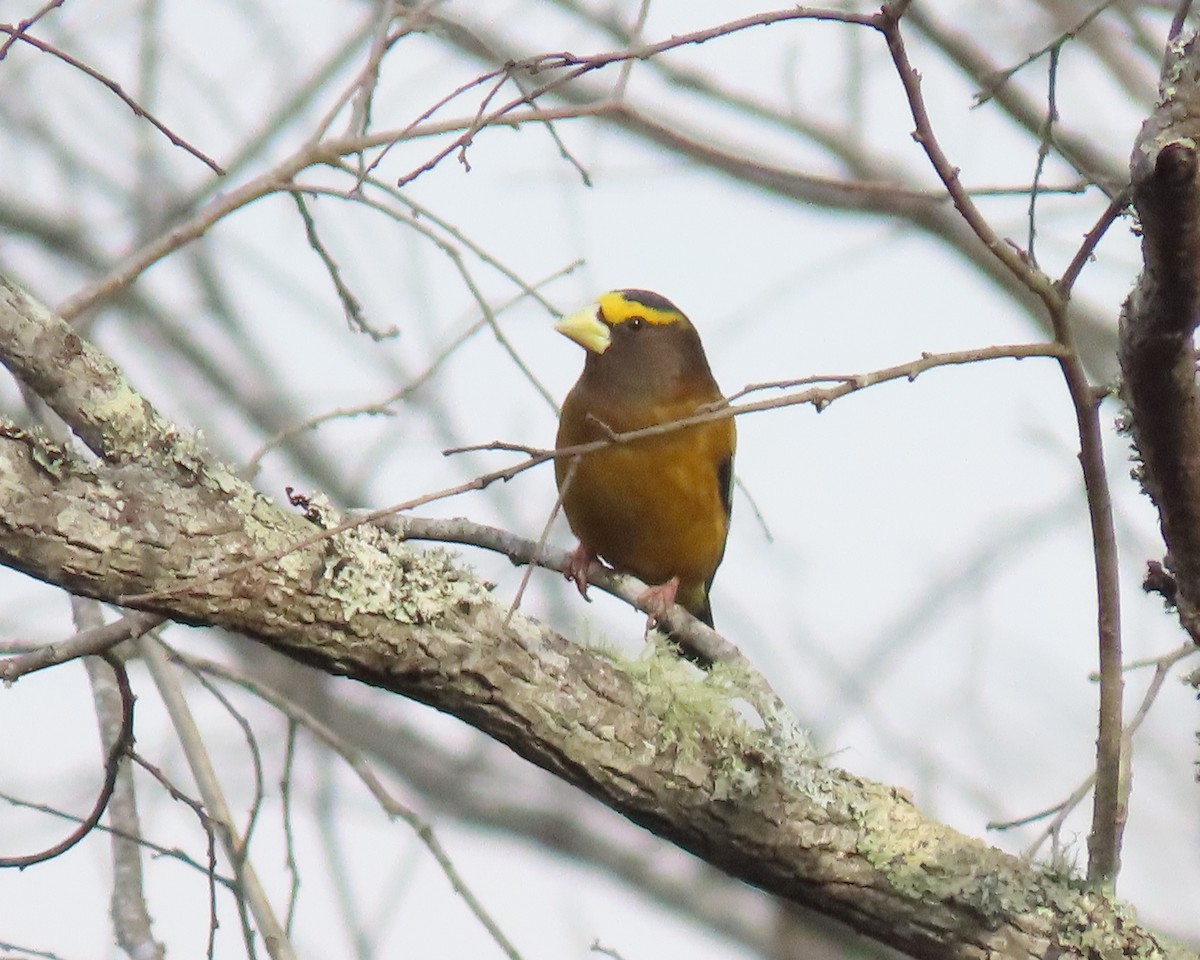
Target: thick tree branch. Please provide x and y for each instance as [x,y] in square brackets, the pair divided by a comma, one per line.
[1159,320]
[656,740]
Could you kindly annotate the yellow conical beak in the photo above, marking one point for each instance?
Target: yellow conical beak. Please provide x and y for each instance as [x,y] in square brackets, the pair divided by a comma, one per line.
[586,329]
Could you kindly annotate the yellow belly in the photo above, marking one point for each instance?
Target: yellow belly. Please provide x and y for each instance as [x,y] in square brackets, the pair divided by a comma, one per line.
[654,508]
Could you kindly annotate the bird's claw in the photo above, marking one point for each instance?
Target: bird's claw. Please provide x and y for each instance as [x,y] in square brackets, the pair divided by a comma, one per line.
[656,601]
[577,568]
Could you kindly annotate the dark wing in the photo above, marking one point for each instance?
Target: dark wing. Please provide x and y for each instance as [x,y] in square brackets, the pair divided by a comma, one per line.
[725,483]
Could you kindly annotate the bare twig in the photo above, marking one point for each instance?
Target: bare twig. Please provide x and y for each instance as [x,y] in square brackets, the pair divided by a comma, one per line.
[273,933]
[1116,206]
[382,408]
[18,33]
[92,642]
[970,54]
[1060,811]
[160,852]
[30,952]
[1035,189]
[285,800]
[358,764]
[1002,250]
[542,540]
[130,913]
[209,826]
[251,745]
[460,265]
[25,24]
[354,312]
[576,67]
[120,745]
[820,398]
[1053,48]
[1104,841]
[368,78]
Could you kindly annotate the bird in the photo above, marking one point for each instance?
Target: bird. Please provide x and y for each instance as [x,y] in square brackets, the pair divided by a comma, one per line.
[656,507]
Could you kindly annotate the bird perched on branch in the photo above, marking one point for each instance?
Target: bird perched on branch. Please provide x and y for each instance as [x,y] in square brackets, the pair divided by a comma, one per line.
[658,506]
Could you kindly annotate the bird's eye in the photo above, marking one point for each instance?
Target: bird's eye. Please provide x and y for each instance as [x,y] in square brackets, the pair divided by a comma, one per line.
[636,323]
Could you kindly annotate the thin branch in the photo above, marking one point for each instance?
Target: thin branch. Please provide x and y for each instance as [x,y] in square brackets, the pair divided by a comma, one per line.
[598,947]
[468,280]
[181,234]
[1016,261]
[381,408]
[576,67]
[160,852]
[358,930]
[353,309]
[17,33]
[1060,811]
[93,642]
[542,540]
[25,24]
[368,78]
[414,20]
[273,933]
[122,743]
[635,33]
[209,826]
[1116,206]
[423,213]
[969,52]
[388,141]
[296,101]
[1109,810]
[820,398]
[1104,841]
[285,800]
[1043,149]
[362,769]
[251,745]
[30,952]
[130,913]
[1053,48]
[752,502]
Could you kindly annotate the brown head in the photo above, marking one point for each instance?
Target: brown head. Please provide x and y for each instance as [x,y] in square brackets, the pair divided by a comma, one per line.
[641,348]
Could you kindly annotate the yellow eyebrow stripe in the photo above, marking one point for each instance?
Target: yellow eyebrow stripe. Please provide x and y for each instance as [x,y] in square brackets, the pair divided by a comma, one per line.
[615,307]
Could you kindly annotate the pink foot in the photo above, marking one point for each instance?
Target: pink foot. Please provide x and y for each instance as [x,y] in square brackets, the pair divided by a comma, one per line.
[656,601]
[577,568]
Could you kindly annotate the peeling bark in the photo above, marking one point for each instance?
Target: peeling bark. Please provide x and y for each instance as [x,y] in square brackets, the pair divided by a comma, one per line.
[1159,319]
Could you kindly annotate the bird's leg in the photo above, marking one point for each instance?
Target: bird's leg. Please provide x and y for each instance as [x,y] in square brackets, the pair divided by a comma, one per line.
[577,567]
[656,601]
